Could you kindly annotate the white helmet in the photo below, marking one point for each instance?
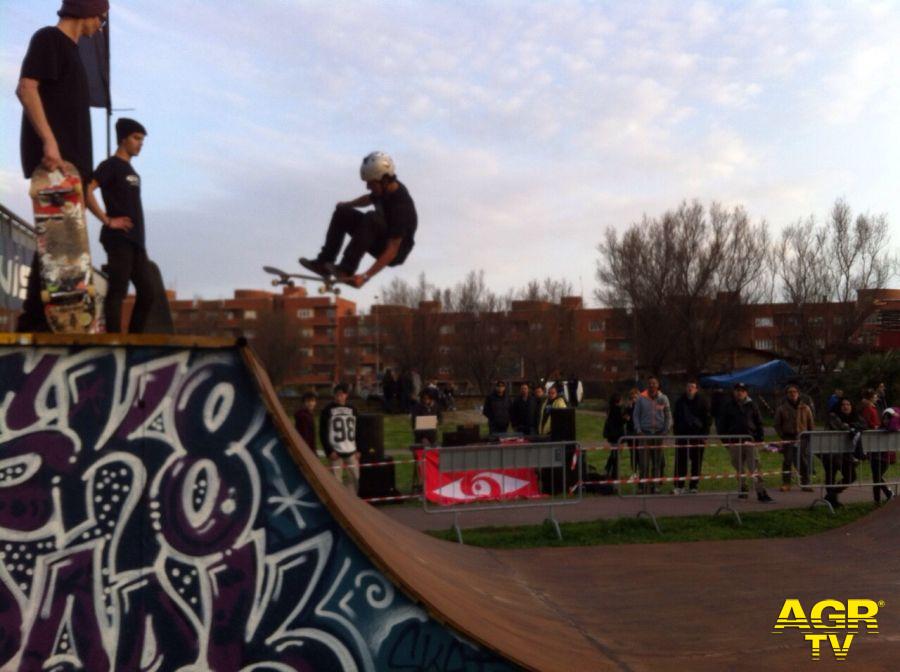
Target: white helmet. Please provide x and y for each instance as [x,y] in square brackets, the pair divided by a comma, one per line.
[375,166]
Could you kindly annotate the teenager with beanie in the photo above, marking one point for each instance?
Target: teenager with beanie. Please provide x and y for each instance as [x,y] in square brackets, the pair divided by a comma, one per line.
[122,235]
[56,113]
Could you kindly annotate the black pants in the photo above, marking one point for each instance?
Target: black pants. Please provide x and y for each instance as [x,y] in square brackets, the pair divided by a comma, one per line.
[795,455]
[367,231]
[838,463]
[688,450]
[879,463]
[127,262]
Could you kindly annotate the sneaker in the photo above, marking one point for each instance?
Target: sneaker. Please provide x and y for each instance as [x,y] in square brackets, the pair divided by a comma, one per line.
[693,491]
[785,488]
[764,497]
[322,268]
[743,495]
[678,491]
[888,495]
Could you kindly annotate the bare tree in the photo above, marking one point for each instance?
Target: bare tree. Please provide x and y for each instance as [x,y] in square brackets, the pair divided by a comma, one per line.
[836,261]
[683,278]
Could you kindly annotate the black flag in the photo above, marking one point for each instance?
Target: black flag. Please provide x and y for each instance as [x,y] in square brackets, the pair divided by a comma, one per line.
[95,56]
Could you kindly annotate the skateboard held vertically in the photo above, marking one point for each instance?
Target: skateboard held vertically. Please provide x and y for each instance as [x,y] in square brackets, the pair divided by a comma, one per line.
[70,299]
[328,282]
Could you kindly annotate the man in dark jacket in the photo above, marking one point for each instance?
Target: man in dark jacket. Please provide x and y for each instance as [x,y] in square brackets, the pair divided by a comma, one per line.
[497,407]
[304,420]
[691,418]
[741,417]
[523,411]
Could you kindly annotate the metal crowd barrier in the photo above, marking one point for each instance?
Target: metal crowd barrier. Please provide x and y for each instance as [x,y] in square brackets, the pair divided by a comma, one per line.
[484,463]
[647,470]
[827,445]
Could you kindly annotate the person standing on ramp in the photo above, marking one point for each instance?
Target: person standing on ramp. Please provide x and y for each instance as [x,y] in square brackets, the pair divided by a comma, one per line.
[122,235]
[387,232]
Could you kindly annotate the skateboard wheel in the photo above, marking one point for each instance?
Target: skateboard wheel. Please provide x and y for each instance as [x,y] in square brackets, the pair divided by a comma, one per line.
[290,283]
[275,283]
[337,291]
[45,296]
[322,290]
[91,290]
[85,319]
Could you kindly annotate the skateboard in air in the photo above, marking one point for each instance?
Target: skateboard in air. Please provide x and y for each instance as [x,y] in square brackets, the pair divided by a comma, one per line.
[70,299]
[328,282]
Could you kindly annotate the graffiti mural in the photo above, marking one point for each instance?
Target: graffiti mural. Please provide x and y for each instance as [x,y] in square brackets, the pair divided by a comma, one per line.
[152,519]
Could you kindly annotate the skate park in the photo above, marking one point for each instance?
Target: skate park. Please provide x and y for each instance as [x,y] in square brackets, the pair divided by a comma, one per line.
[159,513]
[159,508]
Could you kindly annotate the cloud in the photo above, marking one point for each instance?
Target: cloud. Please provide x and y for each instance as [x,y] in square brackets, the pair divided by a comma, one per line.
[522,129]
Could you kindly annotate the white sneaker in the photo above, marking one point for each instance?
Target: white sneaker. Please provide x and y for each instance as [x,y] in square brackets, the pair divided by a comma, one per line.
[678,491]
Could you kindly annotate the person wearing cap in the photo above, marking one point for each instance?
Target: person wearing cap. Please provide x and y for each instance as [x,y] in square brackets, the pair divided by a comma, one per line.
[497,409]
[741,417]
[56,116]
[122,235]
[337,433]
[387,232]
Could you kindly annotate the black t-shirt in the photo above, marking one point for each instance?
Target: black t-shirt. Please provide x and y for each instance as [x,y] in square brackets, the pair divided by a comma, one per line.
[401,219]
[121,189]
[53,60]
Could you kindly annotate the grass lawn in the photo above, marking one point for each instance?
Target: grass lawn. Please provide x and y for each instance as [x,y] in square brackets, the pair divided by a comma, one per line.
[757,525]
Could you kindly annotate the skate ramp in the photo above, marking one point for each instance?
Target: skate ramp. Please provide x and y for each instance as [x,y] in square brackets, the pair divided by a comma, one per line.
[159,512]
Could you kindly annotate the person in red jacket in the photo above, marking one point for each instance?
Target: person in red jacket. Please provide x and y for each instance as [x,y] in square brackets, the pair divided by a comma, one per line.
[868,411]
[304,420]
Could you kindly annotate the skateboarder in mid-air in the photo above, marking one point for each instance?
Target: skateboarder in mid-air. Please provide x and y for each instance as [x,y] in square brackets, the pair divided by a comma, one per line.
[56,119]
[122,235]
[387,232]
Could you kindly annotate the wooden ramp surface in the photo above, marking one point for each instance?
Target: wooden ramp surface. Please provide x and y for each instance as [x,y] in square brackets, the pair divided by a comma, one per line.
[705,605]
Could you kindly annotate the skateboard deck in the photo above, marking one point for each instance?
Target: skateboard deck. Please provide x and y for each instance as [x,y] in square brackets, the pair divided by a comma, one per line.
[70,299]
[328,283]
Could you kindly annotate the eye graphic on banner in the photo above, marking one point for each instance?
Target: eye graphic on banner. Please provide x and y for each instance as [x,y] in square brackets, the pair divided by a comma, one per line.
[484,485]
[460,487]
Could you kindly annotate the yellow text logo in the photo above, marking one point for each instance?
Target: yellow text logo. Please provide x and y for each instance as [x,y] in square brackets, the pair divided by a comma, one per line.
[829,623]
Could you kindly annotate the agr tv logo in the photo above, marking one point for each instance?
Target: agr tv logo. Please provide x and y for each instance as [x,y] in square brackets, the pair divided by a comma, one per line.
[830,623]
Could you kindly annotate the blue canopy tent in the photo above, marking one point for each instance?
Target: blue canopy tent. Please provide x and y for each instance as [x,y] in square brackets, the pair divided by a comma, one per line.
[768,376]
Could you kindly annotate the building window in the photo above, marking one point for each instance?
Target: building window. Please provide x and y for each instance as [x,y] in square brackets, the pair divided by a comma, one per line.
[613,368]
[535,326]
[764,322]
[306,332]
[596,325]
[764,344]
[598,346]
[249,314]
[305,313]
[306,352]
[445,370]
[816,320]
[349,332]
[625,345]
[446,329]
[444,349]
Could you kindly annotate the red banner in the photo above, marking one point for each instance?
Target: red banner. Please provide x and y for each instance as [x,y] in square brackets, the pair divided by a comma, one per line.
[463,487]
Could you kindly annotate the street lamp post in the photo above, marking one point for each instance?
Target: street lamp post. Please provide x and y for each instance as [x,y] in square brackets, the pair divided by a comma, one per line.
[377,339]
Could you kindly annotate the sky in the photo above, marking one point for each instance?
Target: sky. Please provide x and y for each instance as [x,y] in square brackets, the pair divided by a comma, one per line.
[522,129]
